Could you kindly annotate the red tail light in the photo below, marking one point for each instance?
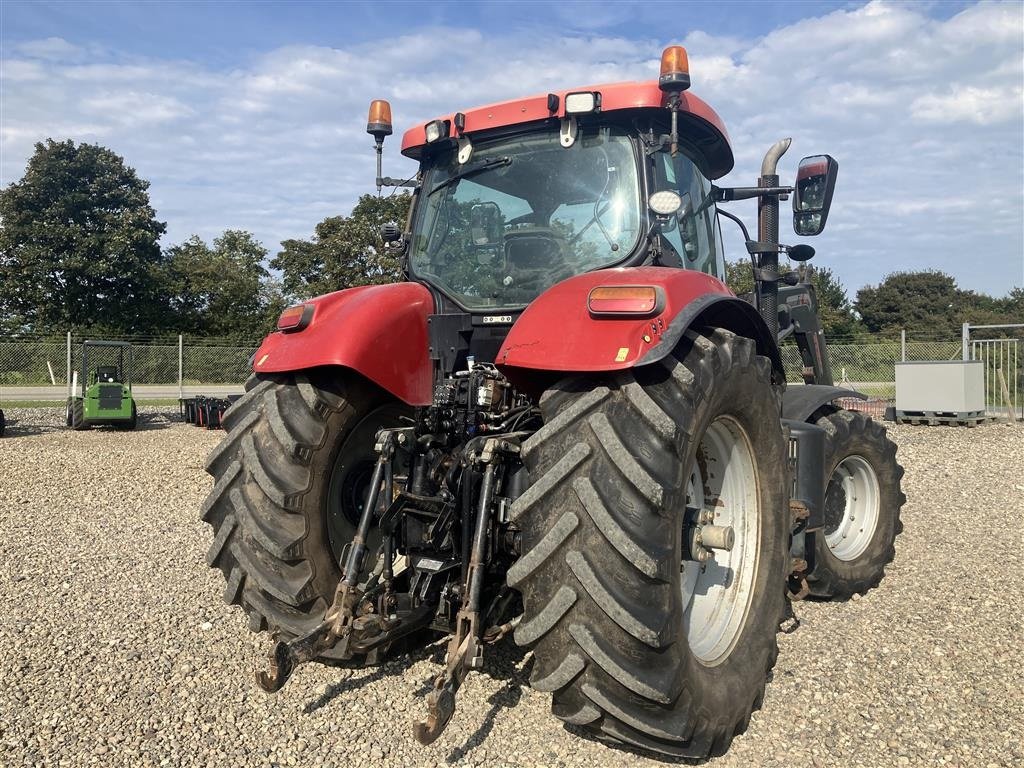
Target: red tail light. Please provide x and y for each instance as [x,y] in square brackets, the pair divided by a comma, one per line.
[625,300]
[295,318]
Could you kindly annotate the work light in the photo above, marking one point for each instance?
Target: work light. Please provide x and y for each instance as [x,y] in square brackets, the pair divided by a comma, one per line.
[434,130]
[581,103]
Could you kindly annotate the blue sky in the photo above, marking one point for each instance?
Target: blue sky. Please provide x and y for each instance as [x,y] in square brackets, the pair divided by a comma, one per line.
[251,115]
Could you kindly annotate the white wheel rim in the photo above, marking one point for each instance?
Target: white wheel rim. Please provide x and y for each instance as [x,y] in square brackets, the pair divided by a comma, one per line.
[856,528]
[717,595]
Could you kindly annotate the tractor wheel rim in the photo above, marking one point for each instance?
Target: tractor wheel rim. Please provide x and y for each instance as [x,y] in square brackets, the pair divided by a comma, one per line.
[855,479]
[717,595]
[350,479]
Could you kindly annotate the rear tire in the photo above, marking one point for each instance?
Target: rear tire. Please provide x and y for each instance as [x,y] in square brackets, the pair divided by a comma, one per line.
[77,415]
[616,631]
[862,506]
[269,507]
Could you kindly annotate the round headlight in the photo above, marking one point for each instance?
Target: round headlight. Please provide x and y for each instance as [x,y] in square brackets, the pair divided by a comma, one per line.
[665,203]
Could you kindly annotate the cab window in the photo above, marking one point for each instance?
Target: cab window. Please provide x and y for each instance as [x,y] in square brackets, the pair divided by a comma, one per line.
[692,239]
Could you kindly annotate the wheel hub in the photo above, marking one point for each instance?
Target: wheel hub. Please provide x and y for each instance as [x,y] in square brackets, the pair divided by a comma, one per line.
[852,508]
[723,538]
[350,478]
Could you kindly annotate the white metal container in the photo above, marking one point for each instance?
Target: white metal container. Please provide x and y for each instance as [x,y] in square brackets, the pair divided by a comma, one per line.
[948,386]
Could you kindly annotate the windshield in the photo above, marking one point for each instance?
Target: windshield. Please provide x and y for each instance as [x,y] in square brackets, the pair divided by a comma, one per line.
[525,213]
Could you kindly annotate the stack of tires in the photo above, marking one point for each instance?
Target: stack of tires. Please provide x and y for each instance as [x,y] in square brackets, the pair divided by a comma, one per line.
[206,412]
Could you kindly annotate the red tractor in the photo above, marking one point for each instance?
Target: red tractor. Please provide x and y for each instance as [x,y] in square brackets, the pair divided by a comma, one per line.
[562,426]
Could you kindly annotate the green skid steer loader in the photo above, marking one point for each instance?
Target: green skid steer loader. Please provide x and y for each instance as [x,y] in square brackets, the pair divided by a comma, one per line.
[106,397]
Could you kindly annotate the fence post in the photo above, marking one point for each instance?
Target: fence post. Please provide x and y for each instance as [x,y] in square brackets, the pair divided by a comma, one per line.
[903,345]
[180,358]
[70,393]
[965,337]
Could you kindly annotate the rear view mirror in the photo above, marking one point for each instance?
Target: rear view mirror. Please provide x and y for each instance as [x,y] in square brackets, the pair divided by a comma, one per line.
[815,182]
[485,224]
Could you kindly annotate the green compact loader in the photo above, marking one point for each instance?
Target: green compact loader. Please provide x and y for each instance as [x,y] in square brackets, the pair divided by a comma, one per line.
[106,397]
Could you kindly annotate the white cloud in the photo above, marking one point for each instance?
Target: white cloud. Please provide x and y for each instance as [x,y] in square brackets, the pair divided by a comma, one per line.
[54,48]
[976,105]
[924,115]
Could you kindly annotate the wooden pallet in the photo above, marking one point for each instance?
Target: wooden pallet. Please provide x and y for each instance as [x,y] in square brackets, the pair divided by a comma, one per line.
[934,418]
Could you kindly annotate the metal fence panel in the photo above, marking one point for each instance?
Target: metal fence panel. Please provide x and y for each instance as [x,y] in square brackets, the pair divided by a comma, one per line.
[866,363]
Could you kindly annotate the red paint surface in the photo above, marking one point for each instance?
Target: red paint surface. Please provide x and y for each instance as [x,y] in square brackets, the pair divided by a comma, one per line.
[614,96]
[378,330]
[558,333]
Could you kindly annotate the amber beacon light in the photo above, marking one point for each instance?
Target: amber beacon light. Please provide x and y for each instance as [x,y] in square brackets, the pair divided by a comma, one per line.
[675,69]
[378,123]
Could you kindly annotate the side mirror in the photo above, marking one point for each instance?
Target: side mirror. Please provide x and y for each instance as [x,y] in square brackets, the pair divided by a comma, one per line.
[815,182]
[801,252]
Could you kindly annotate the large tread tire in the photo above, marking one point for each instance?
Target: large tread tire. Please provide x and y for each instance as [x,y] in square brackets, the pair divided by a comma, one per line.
[602,546]
[78,422]
[850,433]
[268,505]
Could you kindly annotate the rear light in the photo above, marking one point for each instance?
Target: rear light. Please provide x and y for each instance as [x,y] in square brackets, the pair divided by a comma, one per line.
[625,300]
[295,318]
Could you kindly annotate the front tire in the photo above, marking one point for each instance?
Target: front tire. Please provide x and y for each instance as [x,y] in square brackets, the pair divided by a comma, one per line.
[77,415]
[862,506]
[609,602]
[271,505]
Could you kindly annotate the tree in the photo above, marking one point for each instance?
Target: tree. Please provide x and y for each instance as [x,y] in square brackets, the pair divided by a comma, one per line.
[834,308]
[345,251]
[221,291]
[79,243]
[917,301]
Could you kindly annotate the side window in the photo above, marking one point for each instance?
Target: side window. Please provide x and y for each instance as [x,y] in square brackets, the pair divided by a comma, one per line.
[694,236]
[719,249]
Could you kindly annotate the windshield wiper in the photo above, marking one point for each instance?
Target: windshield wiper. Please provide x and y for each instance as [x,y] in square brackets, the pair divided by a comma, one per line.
[494,162]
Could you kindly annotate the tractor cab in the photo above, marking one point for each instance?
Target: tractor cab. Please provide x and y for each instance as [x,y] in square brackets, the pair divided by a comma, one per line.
[106,396]
[564,184]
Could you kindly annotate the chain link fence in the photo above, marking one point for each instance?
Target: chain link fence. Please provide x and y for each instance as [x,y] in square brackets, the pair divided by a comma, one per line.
[36,367]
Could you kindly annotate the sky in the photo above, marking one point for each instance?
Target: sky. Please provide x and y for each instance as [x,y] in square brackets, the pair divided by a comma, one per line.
[252,115]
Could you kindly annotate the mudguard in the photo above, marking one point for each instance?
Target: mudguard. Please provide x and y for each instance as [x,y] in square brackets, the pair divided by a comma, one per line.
[799,402]
[379,331]
[557,333]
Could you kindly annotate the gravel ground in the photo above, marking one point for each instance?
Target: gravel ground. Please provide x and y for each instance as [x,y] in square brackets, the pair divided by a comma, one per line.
[115,648]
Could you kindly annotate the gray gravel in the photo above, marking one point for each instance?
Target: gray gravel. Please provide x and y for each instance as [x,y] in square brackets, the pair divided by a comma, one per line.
[116,650]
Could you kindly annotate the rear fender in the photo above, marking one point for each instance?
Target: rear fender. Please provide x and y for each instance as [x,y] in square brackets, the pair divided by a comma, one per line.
[380,331]
[557,333]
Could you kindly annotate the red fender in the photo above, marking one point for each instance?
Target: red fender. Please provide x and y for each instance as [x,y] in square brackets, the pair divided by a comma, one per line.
[378,330]
[557,333]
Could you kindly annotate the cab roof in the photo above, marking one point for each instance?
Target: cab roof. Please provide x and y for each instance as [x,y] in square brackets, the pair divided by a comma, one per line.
[699,124]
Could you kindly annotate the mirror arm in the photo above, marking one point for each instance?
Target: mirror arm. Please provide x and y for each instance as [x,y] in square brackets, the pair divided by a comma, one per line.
[726,194]
[387,181]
